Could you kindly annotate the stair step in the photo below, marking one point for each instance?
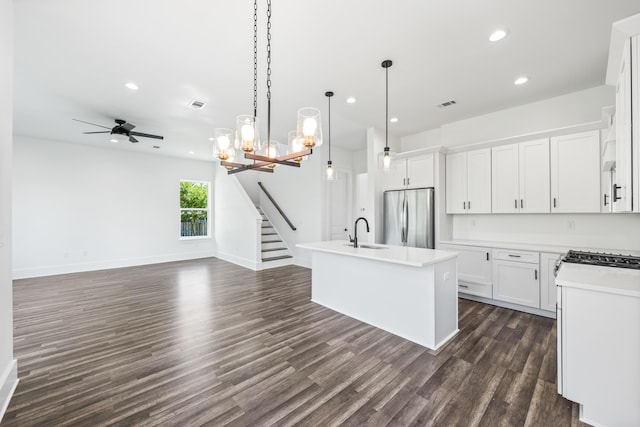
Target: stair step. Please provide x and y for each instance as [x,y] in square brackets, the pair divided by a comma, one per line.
[276,258]
[274,249]
[269,234]
[271,241]
[267,226]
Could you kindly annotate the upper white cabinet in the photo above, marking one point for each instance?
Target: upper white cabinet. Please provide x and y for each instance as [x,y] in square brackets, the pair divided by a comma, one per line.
[520,177]
[575,172]
[468,182]
[410,172]
[626,189]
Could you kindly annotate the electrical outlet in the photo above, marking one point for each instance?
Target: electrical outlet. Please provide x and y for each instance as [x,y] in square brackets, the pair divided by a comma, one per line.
[445,276]
[571,224]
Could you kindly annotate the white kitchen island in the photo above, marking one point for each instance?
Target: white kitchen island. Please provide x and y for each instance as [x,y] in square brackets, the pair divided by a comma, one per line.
[410,292]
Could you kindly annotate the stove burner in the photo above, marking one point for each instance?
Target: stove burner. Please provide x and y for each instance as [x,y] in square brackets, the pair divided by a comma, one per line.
[603,259]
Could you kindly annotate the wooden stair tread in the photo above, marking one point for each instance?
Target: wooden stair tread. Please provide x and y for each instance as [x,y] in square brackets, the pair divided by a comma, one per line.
[274,249]
[275,258]
[271,241]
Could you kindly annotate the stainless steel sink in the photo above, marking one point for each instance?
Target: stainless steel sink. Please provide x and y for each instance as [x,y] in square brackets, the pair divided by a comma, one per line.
[367,246]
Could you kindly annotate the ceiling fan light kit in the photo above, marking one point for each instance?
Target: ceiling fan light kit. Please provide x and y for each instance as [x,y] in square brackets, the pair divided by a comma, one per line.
[267,156]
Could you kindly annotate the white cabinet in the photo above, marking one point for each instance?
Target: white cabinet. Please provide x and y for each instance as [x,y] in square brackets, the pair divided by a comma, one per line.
[516,277]
[627,184]
[548,293]
[575,172]
[474,269]
[520,177]
[468,182]
[410,172]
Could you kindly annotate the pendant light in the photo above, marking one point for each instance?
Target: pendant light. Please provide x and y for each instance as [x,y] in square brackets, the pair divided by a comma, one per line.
[265,155]
[386,159]
[330,172]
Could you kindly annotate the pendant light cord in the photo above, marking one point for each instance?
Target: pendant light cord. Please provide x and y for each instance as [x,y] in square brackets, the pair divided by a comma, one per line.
[329,96]
[386,122]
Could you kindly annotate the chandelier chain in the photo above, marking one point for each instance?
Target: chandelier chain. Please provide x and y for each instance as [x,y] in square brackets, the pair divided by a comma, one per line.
[255,58]
[268,49]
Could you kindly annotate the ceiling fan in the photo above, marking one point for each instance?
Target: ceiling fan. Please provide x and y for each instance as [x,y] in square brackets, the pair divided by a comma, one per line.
[122,128]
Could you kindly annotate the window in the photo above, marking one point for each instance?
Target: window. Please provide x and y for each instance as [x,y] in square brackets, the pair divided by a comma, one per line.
[194,209]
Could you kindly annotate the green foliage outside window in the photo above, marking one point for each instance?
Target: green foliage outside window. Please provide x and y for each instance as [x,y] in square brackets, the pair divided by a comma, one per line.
[194,205]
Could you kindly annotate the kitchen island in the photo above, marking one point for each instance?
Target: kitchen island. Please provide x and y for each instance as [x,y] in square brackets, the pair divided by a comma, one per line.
[409,292]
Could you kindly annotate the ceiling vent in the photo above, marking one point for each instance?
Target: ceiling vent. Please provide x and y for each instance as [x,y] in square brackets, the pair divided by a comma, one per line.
[198,105]
[446,104]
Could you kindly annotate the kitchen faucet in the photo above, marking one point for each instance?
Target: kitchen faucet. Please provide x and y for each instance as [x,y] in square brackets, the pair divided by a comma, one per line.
[355,230]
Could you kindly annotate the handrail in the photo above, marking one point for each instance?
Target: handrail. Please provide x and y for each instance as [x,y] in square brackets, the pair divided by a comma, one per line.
[276,205]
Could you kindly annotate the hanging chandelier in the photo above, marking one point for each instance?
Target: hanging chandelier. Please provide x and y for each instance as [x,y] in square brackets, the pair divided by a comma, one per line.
[245,141]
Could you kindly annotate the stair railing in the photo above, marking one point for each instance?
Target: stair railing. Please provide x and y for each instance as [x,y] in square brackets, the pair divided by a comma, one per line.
[276,206]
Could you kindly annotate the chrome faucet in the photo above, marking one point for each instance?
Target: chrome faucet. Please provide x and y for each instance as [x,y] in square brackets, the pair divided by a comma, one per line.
[355,230]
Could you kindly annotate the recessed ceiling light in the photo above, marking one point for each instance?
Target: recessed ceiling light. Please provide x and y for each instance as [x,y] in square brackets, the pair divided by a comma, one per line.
[521,80]
[393,120]
[497,35]
[351,100]
[211,139]
[132,86]
[113,140]
[191,152]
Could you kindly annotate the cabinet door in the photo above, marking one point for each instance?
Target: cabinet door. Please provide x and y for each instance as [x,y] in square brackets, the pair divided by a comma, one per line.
[575,172]
[635,108]
[548,291]
[623,134]
[420,171]
[516,282]
[456,183]
[474,269]
[534,176]
[504,179]
[479,181]
[396,177]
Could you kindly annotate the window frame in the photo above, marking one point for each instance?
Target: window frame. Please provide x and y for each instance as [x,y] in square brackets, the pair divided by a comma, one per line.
[207,210]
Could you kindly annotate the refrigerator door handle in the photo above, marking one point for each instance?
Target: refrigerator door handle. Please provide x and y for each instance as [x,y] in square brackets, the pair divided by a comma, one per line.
[403,224]
[405,214]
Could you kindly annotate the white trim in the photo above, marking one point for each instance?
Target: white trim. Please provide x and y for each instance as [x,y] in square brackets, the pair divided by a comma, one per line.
[242,262]
[518,307]
[105,265]
[8,384]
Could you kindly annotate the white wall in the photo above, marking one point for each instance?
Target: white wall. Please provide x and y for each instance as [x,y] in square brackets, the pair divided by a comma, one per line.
[8,366]
[78,207]
[237,221]
[566,110]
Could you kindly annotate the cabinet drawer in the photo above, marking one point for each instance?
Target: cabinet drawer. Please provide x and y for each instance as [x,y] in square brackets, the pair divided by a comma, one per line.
[519,256]
[474,289]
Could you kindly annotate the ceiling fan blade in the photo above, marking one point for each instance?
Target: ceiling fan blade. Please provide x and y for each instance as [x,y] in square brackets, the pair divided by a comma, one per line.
[146,135]
[102,131]
[132,139]
[127,126]
[89,123]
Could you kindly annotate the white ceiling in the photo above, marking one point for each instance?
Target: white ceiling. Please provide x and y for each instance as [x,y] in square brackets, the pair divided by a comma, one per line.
[73,57]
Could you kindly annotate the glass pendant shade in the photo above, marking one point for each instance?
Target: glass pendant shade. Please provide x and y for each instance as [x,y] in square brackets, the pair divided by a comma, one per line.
[247,133]
[309,127]
[271,150]
[330,173]
[223,144]
[295,145]
[386,159]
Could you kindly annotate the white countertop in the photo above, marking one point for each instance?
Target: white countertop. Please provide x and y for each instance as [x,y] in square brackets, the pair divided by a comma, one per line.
[535,247]
[415,257]
[622,281]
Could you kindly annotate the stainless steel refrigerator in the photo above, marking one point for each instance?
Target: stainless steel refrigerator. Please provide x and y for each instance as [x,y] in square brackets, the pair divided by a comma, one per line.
[409,218]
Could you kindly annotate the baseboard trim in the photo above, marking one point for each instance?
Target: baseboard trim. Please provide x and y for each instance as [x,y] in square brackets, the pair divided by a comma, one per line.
[242,262]
[105,265]
[8,384]
[530,310]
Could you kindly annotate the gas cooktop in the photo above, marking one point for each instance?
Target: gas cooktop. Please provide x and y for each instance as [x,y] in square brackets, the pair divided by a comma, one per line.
[603,259]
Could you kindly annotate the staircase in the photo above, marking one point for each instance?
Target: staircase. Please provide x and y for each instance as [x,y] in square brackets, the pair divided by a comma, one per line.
[275,252]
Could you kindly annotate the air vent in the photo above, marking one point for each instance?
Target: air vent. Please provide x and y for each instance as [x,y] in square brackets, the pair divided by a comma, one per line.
[198,105]
[446,104]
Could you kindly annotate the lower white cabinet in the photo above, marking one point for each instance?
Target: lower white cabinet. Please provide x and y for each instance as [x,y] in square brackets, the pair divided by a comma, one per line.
[516,281]
[474,269]
[548,292]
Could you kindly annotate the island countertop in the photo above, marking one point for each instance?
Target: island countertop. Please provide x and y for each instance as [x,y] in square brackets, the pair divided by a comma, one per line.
[415,257]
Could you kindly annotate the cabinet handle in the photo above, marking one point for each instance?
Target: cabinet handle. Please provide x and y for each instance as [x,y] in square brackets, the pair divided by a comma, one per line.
[615,193]
[535,274]
[408,181]
[521,203]
[404,181]
[463,286]
[464,205]
[605,200]
[487,256]
[515,204]
[514,256]
[554,202]
[468,205]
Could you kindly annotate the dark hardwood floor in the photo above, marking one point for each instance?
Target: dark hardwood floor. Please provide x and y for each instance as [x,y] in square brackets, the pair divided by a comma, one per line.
[205,342]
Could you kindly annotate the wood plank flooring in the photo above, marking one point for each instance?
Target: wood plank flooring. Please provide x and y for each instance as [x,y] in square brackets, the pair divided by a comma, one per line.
[205,342]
